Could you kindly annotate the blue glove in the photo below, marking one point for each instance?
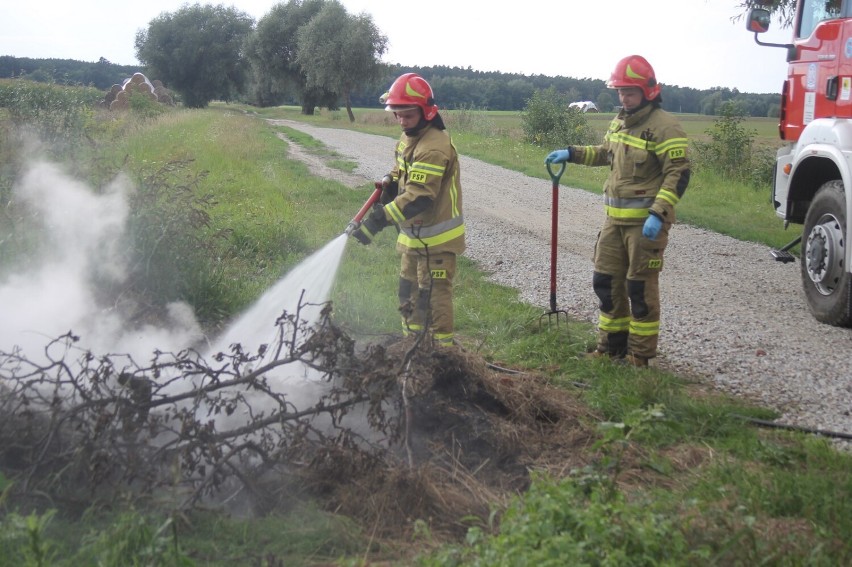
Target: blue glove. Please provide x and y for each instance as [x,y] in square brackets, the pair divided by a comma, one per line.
[652,227]
[558,156]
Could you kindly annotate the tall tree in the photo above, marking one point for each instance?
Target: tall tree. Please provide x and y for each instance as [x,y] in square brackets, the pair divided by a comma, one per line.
[197,51]
[340,52]
[272,50]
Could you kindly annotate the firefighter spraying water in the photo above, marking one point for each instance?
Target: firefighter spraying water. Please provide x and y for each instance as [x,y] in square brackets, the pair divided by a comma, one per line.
[422,197]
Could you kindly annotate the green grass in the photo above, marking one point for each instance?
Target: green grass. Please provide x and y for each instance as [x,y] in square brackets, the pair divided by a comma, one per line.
[302,537]
[707,488]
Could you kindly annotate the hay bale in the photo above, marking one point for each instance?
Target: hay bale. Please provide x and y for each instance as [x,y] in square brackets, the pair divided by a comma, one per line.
[118,104]
[164,96]
[137,83]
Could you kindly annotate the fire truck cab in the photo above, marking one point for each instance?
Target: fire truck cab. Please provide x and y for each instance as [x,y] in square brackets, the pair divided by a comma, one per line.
[812,183]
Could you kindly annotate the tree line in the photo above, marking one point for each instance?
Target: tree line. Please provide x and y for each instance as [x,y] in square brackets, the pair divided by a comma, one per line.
[467,88]
[314,54]
[101,74]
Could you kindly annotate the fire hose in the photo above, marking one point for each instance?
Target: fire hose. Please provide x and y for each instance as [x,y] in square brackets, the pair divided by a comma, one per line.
[359,216]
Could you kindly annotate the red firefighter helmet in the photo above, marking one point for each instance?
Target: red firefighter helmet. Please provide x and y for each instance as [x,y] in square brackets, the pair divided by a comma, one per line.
[635,71]
[408,91]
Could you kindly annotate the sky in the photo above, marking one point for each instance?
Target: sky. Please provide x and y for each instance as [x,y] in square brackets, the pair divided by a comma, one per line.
[690,43]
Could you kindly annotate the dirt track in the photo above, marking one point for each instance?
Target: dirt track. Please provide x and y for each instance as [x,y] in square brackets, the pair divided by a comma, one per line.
[731,315]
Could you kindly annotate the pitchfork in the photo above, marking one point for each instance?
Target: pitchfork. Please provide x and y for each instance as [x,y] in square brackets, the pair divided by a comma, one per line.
[554,313]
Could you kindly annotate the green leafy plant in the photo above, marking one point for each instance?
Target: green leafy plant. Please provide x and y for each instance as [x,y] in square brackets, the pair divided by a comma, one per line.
[144,106]
[731,151]
[548,121]
[23,539]
[135,540]
[616,440]
[173,252]
[571,522]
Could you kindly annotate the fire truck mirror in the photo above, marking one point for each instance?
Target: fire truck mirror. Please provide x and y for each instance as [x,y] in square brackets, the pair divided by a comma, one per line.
[758,20]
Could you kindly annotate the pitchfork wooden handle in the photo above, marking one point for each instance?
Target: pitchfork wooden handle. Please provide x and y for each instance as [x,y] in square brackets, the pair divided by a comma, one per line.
[554,222]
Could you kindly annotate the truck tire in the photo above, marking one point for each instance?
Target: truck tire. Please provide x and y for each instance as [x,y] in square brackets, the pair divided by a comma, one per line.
[826,282]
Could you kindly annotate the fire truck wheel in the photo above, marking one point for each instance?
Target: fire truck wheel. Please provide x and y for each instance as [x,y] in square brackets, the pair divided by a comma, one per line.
[827,284]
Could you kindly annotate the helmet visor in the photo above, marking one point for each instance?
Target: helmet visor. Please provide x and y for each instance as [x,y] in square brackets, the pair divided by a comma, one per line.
[400,107]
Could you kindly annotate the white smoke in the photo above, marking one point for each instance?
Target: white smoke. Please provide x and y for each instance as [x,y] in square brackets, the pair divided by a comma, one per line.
[81,236]
[80,242]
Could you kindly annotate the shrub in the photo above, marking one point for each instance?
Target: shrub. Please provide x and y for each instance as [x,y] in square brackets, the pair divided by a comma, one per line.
[144,106]
[731,151]
[547,121]
[174,255]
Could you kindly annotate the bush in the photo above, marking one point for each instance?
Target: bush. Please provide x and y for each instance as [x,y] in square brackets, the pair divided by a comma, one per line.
[144,106]
[174,255]
[547,121]
[731,151]
[762,167]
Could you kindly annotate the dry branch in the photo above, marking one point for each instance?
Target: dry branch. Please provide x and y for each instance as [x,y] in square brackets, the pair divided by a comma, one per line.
[79,425]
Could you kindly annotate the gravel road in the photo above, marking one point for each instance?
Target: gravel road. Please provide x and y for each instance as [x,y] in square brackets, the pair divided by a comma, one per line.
[732,316]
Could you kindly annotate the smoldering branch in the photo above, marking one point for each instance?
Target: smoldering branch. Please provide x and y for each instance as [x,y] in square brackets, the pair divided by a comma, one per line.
[74,424]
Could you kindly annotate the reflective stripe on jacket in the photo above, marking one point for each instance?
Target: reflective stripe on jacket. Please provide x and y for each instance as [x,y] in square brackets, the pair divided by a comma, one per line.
[649,167]
[427,166]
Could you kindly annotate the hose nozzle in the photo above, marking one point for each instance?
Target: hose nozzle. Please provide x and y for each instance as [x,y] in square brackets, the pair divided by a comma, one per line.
[351,227]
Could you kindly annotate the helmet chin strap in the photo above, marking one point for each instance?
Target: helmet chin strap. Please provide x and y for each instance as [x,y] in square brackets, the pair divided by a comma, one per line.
[645,102]
[436,122]
[416,129]
[658,102]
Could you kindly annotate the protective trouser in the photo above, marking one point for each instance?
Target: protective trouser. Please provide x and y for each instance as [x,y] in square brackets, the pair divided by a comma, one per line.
[626,281]
[426,294]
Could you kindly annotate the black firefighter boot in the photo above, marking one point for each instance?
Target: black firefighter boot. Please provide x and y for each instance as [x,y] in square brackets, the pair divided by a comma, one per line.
[615,348]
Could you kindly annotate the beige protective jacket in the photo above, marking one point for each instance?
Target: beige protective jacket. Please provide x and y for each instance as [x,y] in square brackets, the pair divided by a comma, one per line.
[427,165]
[649,168]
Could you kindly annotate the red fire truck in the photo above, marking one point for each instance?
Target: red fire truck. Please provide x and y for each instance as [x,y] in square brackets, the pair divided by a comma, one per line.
[812,183]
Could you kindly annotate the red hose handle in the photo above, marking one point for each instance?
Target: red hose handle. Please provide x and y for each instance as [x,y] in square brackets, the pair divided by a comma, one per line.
[374,197]
[372,200]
